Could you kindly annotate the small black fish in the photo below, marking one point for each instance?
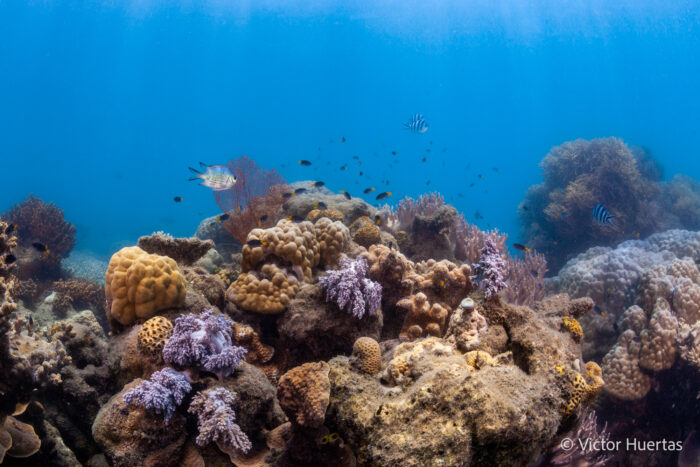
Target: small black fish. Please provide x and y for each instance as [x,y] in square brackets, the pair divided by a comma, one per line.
[318,184]
[599,310]
[478,216]
[425,159]
[10,258]
[262,219]
[346,194]
[295,219]
[384,194]
[223,217]
[471,185]
[368,190]
[357,158]
[286,195]
[361,173]
[386,182]
[378,219]
[525,208]
[255,243]
[480,176]
[394,153]
[427,183]
[304,162]
[344,167]
[427,150]
[300,191]
[342,139]
[10,228]
[321,206]
[520,247]
[178,199]
[40,247]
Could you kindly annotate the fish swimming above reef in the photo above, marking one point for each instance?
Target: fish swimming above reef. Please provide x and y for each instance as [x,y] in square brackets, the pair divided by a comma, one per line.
[384,194]
[178,199]
[262,219]
[520,247]
[417,124]
[220,218]
[602,216]
[299,191]
[304,162]
[346,194]
[368,190]
[318,184]
[295,219]
[255,243]
[10,228]
[216,177]
[321,206]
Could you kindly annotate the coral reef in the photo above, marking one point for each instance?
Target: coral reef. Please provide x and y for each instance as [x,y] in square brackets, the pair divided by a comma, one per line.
[422,318]
[154,334]
[586,429]
[204,341]
[368,354]
[465,326]
[490,270]
[138,285]
[184,251]
[303,394]
[351,290]
[580,174]
[365,232]
[525,279]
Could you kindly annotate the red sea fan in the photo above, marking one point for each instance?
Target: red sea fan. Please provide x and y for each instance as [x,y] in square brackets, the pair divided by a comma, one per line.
[257,192]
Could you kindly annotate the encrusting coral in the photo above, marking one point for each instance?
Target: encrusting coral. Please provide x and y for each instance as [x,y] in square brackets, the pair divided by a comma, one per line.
[350,289]
[138,285]
[154,333]
[204,341]
[184,251]
[303,394]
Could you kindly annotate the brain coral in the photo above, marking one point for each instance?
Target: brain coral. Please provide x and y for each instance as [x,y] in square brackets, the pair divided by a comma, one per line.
[138,285]
[304,393]
[332,237]
[369,354]
[154,333]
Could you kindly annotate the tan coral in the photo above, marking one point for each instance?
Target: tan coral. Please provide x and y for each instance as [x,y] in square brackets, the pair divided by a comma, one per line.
[23,439]
[246,337]
[333,237]
[574,327]
[267,292]
[154,333]
[465,326]
[413,359]
[332,214]
[659,349]
[422,319]
[624,379]
[304,393]
[365,232]
[479,359]
[391,269]
[369,354]
[138,285]
[594,381]
[443,281]
[578,391]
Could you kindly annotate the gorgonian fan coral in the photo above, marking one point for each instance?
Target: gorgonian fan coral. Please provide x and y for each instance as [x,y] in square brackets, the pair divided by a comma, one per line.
[163,393]
[490,269]
[216,420]
[204,341]
[38,221]
[257,192]
[351,289]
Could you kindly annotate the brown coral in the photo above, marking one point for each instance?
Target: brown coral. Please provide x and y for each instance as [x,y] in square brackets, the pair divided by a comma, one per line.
[267,291]
[422,318]
[365,232]
[154,333]
[368,353]
[184,251]
[331,214]
[246,337]
[82,294]
[333,237]
[304,393]
[18,439]
[138,285]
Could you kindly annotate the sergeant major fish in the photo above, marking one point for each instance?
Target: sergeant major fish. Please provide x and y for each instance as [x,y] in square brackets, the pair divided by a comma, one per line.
[216,177]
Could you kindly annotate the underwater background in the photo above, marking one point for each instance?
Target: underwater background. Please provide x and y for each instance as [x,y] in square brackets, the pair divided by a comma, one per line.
[104,105]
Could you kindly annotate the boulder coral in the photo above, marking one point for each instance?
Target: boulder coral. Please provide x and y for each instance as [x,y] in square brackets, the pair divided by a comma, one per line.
[138,285]
[303,394]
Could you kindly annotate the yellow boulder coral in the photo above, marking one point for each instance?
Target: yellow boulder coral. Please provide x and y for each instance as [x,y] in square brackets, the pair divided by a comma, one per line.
[154,333]
[365,233]
[138,285]
[574,328]
[332,238]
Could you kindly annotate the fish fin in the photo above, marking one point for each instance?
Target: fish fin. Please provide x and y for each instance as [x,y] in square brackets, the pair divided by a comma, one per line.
[203,164]
[192,179]
[194,170]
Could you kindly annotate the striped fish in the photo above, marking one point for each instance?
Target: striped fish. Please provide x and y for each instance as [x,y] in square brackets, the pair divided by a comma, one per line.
[602,216]
[216,177]
[417,124]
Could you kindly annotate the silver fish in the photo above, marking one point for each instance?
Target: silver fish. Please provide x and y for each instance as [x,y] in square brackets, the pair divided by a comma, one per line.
[216,177]
[417,124]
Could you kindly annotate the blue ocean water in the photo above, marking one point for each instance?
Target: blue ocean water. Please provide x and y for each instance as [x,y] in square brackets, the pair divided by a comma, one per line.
[103,106]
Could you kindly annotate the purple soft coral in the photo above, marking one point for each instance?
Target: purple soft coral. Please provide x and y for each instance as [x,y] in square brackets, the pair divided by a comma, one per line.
[204,341]
[216,420]
[351,289]
[163,393]
[490,269]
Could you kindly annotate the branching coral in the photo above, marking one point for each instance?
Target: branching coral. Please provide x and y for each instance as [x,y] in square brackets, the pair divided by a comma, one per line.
[204,341]
[82,294]
[216,420]
[490,269]
[163,393]
[525,279]
[470,240]
[350,288]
